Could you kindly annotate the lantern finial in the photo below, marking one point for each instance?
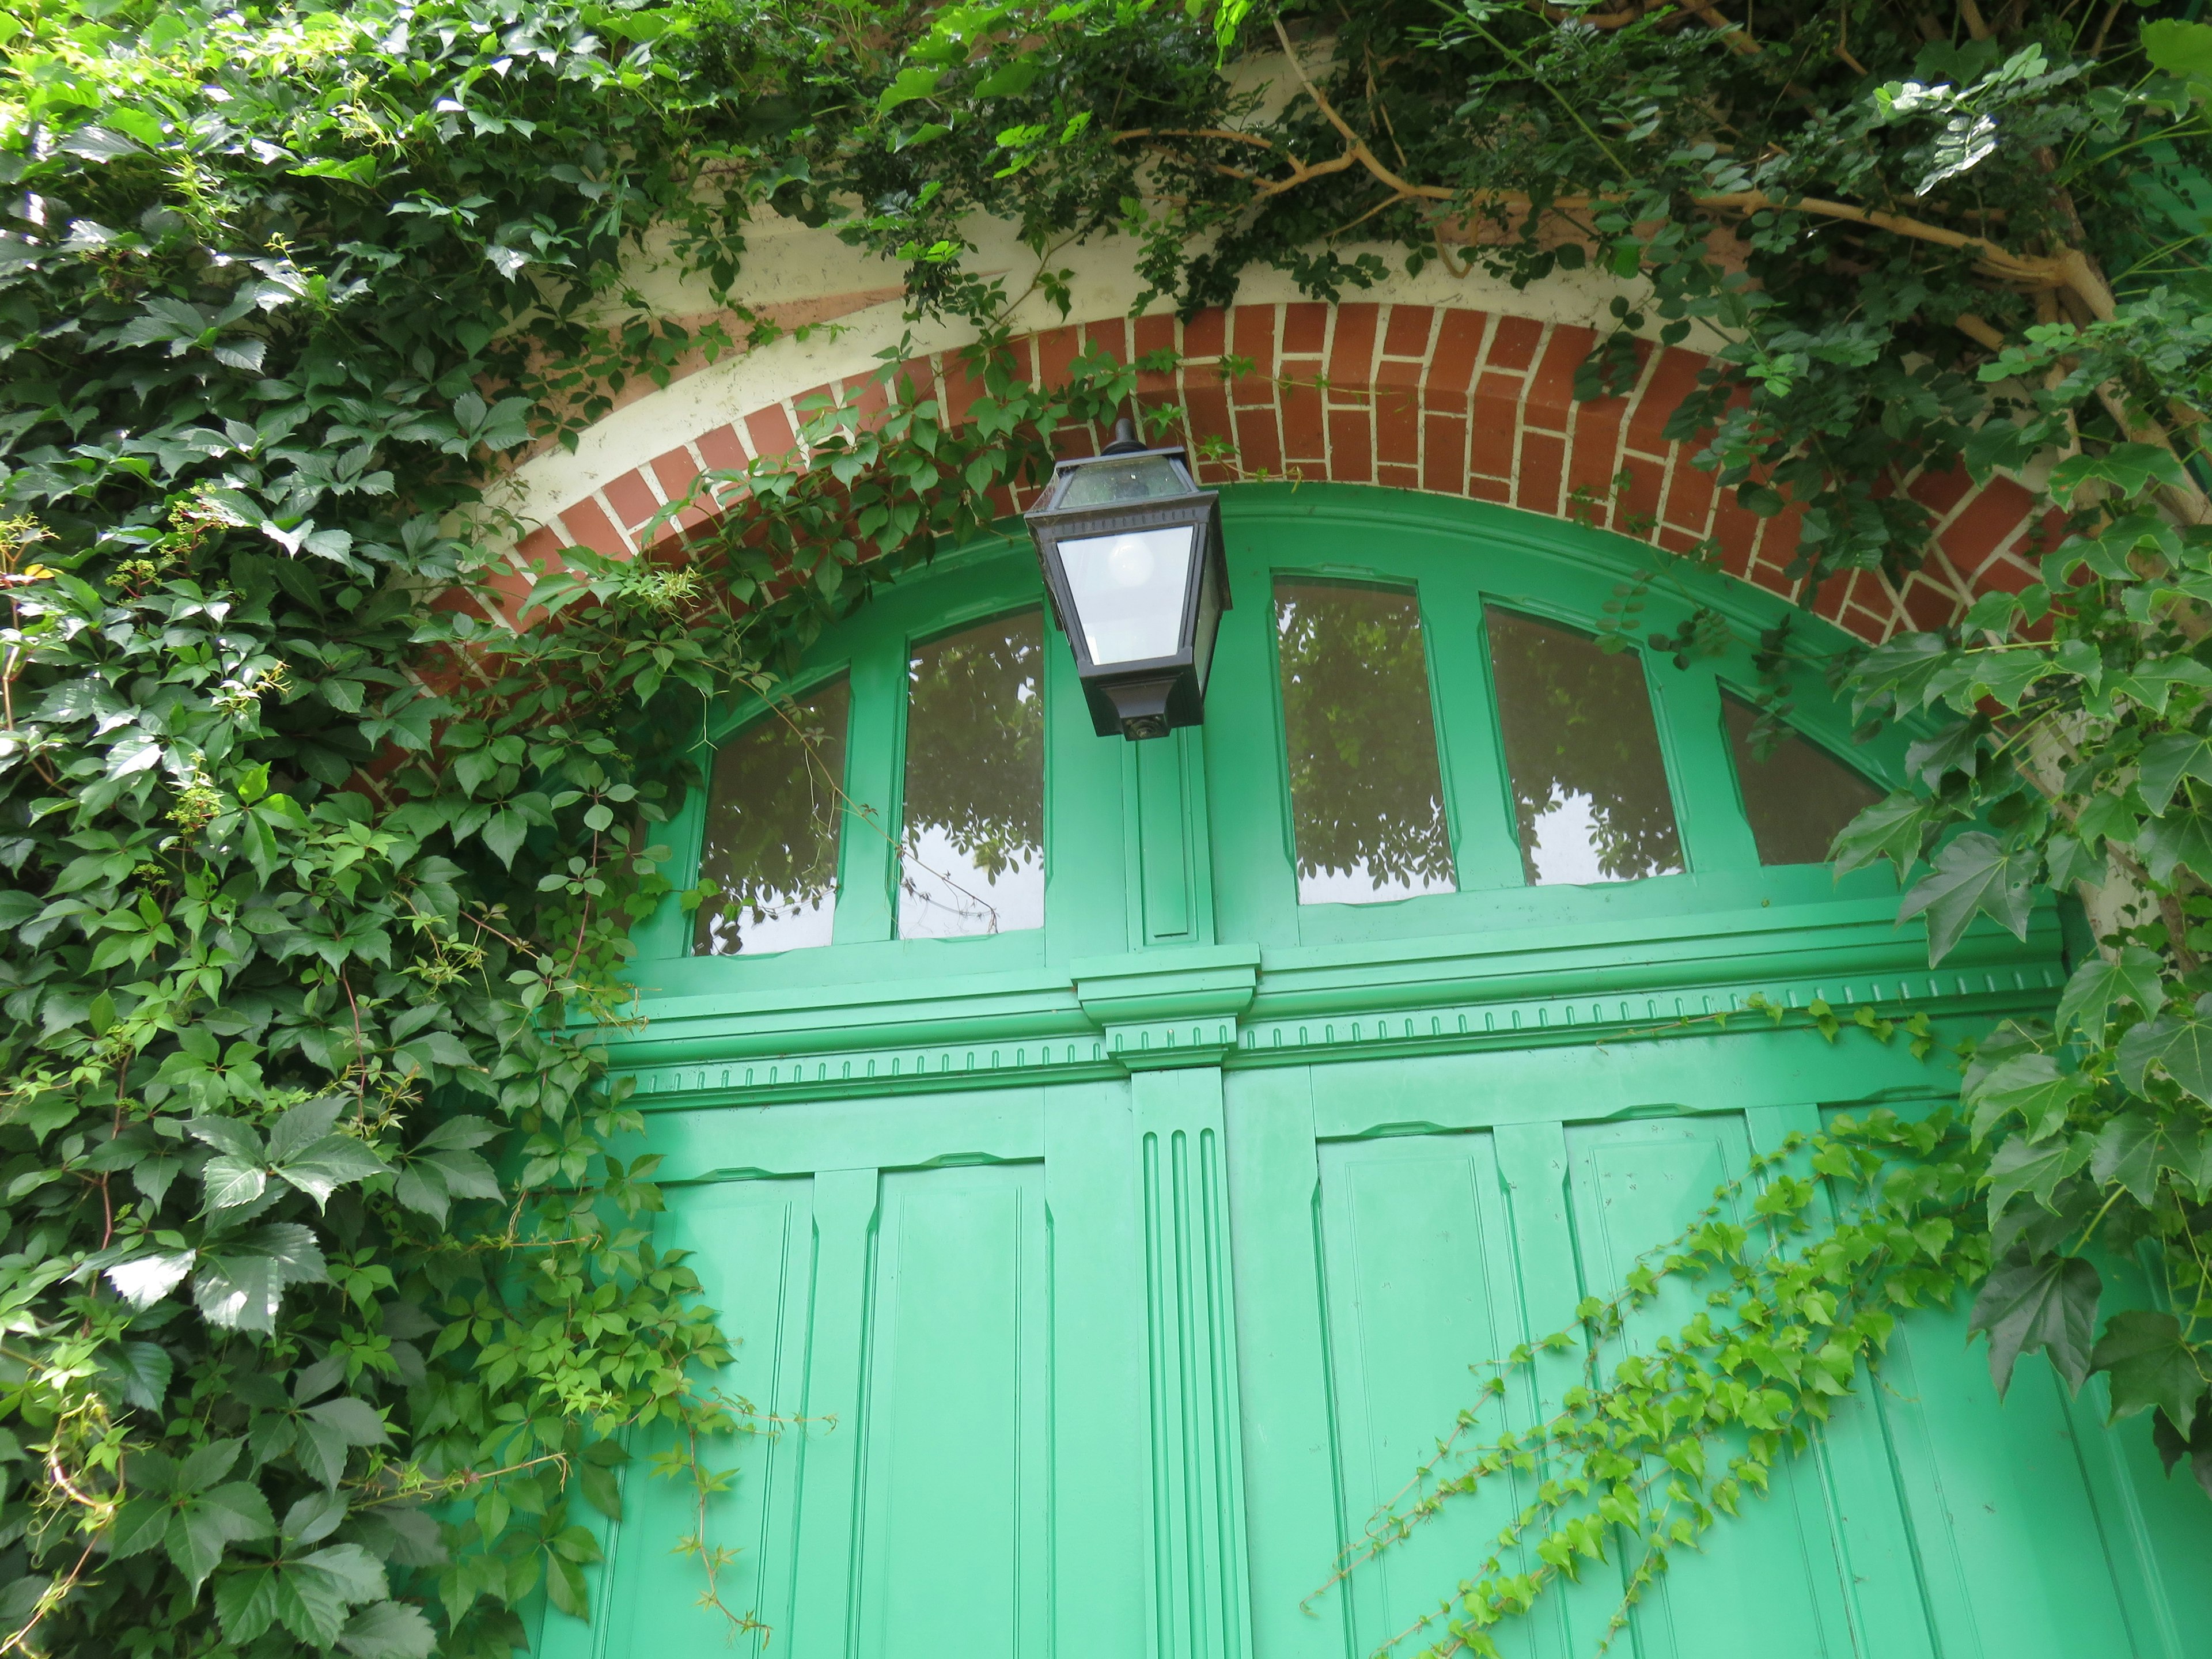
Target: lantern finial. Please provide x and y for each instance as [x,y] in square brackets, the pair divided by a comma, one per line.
[1126,440]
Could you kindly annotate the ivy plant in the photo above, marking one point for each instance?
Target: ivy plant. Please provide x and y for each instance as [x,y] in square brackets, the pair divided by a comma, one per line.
[327,1310]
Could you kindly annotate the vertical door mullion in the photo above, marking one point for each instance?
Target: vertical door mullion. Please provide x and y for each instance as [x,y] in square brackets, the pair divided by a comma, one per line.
[1470,747]
[1687,706]
[867,861]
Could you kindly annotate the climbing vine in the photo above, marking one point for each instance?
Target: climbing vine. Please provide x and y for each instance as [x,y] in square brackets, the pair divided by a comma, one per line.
[324,1310]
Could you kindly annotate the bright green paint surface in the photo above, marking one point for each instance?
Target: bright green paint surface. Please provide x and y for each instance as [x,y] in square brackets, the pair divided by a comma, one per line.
[1105,1277]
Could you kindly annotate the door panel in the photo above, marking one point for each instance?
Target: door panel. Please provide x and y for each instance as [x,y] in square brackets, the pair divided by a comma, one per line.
[1752,1590]
[952,1535]
[752,1245]
[1421,1289]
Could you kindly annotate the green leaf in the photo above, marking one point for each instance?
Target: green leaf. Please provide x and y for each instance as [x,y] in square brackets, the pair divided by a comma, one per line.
[2165,761]
[204,1525]
[140,1371]
[2149,1365]
[2179,48]
[1894,827]
[1975,872]
[2048,1306]
[2130,469]
[2127,1153]
[2177,840]
[2183,1046]
[2023,1166]
[320,1169]
[388,1630]
[246,1603]
[504,833]
[2032,1085]
[2098,983]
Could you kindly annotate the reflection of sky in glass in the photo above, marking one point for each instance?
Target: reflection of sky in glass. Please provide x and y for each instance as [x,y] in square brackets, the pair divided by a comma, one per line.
[1366,803]
[943,895]
[971,851]
[1563,841]
[773,814]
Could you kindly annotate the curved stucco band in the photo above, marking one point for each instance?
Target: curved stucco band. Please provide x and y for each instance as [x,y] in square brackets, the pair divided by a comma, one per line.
[1414,397]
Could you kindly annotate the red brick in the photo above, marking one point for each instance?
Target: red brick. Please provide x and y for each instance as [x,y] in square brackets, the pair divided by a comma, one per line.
[1209,412]
[1398,428]
[770,431]
[1543,459]
[1155,334]
[1939,492]
[585,523]
[1451,370]
[1513,343]
[1259,447]
[2003,573]
[1689,496]
[1928,605]
[1672,379]
[1496,424]
[1402,375]
[1552,387]
[1352,355]
[1639,508]
[631,497]
[1203,335]
[675,472]
[1829,601]
[1304,437]
[1056,351]
[1490,489]
[1408,335]
[1305,329]
[540,550]
[722,450]
[1443,455]
[963,386]
[1111,336]
[1254,332]
[1983,525]
[1398,478]
[1350,456]
[1596,457]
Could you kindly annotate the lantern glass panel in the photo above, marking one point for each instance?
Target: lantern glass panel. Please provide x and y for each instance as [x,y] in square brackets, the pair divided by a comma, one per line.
[1128,591]
[1120,481]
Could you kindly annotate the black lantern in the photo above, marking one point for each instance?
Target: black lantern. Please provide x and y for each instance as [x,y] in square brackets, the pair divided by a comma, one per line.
[1133,561]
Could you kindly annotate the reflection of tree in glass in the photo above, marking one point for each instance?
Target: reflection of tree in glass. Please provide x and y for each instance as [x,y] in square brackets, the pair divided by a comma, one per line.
[974,743]
[1365,795]
[773,814]
[1582,754]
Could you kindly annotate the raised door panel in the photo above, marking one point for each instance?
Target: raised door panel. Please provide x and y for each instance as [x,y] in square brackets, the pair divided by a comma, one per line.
[2020,1558]
[1421,1292]
[752,1244]
[951,1542]
[1773,1582]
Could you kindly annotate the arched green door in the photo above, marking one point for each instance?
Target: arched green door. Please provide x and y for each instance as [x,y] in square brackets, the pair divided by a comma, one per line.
[1110,1157]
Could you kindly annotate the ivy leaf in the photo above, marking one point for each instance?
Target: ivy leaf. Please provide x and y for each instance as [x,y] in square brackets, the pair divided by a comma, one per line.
[246,1603]
[139,1371]
[2178,839]
[1975,872]
[208,1522]
[2099,982]
[2020,1166]
[2165,761]
[2127,1151]
[2183,1047]
[2129,469]
[2034,1086]
[242,1281]
[2049,1306]
[145,1279]
[1894,827]
[2179,48]
[2149,1365]
[388,1630]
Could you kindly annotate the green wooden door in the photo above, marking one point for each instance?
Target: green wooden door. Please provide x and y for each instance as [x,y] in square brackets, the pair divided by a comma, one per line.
[1094,1282]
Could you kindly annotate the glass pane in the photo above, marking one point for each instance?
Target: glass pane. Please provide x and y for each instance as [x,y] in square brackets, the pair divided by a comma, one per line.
[972,857]
[1128,592]
[1140,478]
[772,823]
[1589,787]
[1366,802]
[1798,797]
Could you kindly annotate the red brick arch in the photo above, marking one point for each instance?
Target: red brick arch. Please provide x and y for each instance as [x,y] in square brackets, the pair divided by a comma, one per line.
[1440,399]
